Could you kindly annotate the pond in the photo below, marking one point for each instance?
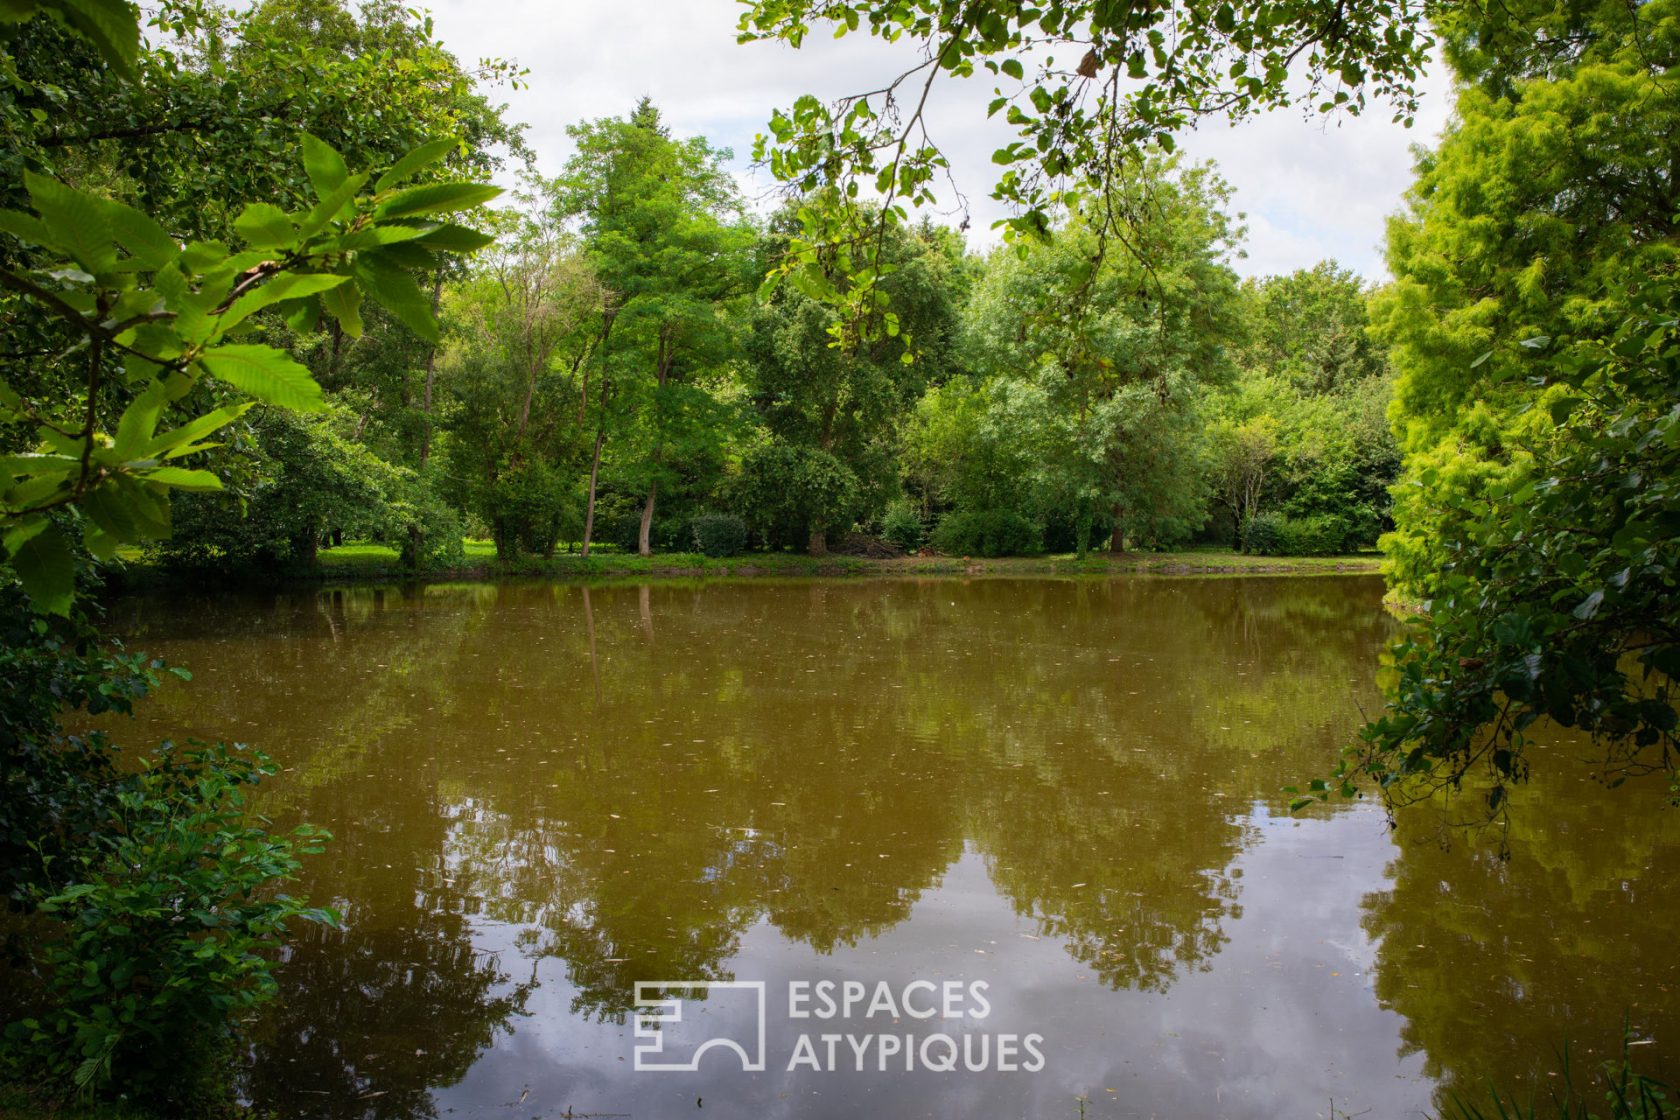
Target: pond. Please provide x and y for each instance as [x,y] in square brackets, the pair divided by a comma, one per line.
[1030,829]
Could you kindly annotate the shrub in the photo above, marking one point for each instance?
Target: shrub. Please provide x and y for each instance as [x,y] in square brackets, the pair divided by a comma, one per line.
[719,534]
[987,532]
[162,927]
[1273,534]
[902,525]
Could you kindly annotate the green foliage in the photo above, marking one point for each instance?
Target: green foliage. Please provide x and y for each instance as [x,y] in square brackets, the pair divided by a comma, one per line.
[662,226]
[1534,218]
[1558,599]
[52,785]
[1274,534]
[1098,361]
[842,404]
[1139,75]
[902,525]
[784,488]
[987,532]
[149,321]
[163,927]
[719,534]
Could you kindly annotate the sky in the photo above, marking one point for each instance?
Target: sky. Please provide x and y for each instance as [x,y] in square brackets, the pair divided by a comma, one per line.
[1309,190]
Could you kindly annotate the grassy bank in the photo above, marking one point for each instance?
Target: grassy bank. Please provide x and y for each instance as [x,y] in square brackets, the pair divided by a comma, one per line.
[363,562]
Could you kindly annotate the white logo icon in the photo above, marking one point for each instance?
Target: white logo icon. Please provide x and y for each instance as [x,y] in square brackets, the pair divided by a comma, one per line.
[663,1012]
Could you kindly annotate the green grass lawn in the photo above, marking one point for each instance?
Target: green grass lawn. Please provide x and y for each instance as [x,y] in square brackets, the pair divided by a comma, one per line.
[367,559]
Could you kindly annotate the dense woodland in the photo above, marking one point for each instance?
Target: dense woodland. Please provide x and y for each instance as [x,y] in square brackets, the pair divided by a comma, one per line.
[260,298]
[608,374]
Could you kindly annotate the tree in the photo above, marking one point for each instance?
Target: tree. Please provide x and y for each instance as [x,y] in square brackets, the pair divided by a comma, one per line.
[1558,598]
[1311,329]
[830,413]
[1112,353]
[524,330]
[1244,455]
[1535,218]
[662,227]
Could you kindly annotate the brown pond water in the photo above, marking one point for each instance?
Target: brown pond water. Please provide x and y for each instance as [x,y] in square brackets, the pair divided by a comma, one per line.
[1060,797]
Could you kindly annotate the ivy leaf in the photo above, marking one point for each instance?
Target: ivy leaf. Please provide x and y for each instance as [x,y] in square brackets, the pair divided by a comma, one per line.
[265,373]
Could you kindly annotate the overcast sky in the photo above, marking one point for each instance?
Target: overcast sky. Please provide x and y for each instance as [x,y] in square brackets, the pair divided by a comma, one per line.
[1309,190]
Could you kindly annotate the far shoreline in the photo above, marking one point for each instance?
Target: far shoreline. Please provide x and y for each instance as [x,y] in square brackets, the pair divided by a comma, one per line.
[365,564]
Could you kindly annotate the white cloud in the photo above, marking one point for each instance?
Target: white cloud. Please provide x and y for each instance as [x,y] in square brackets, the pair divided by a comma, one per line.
[1310,190]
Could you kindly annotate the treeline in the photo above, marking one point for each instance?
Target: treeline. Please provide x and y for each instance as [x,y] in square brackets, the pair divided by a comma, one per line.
[610,373]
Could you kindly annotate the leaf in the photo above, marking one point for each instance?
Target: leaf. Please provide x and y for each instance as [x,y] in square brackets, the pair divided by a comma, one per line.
[268,374]
[287,285]
[111,27]
[139,420]
[344,304]
[140,234]
[448,238]
[182,478]
[265,226]
[1012,67]
[324,166]
[422,157]
[75,220]
[17,11]
[1588,607]
[46,568]
[330,207]
[433,198]
[26,227]
[397,292]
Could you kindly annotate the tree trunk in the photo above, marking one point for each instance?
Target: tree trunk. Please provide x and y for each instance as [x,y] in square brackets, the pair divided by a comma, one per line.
[1117,539]
[819,539]
[644,546]
[594,477]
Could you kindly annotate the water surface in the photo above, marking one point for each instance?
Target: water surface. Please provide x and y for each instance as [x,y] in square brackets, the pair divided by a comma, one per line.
[1067,791]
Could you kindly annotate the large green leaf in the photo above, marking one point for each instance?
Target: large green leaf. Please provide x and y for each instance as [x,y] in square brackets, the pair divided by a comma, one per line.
[398,293]
[287,285]
[423,156]
[76,221]
[182,478]
[180,440]
[140,234]
[324,166]
[267,374]
[46,568]
[434,198]
[110,25]
[264,225]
